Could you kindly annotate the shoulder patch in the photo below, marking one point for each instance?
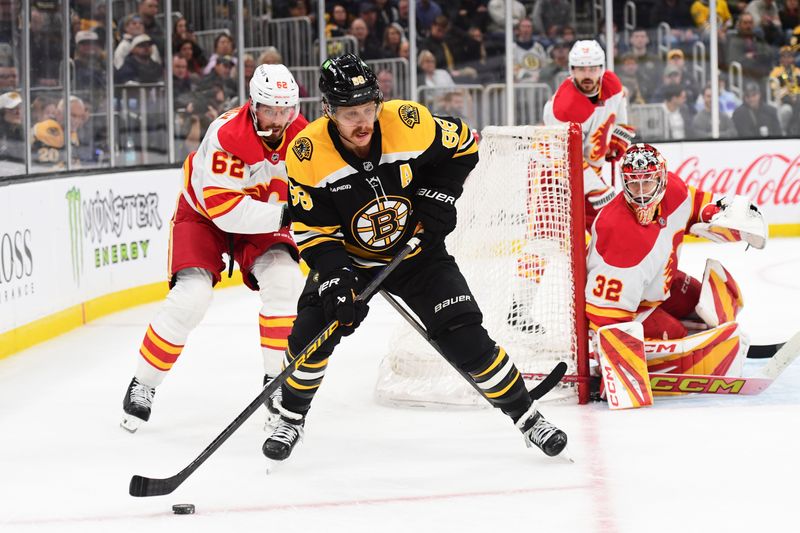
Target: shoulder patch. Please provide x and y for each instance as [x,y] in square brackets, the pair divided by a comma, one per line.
[303,148]
[409,114]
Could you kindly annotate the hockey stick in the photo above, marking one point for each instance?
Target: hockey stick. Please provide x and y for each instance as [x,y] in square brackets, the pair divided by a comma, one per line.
[145,486]
[549,381]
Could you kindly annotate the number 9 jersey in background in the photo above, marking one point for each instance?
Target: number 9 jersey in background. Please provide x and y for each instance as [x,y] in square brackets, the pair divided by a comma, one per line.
[365,205]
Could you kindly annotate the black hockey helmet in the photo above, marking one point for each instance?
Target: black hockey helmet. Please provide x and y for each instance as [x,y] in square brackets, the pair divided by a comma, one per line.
[347,81]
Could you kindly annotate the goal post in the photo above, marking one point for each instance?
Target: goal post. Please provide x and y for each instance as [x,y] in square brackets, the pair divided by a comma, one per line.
[520,242]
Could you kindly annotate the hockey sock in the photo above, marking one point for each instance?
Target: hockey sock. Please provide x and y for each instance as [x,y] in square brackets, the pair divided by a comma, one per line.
[502,384]
[300,388]
[274,331]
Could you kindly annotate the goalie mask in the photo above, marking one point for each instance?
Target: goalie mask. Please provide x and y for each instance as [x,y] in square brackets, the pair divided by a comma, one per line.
[274,95]
[644,180]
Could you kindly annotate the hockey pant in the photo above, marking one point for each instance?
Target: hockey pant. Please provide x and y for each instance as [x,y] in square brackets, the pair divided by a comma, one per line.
[433,287]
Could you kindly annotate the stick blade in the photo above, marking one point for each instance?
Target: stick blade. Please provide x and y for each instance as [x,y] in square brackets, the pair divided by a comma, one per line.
[144,486]
[549,382]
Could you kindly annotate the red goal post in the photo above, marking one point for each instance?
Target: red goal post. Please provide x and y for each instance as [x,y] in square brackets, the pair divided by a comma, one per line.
[521,244]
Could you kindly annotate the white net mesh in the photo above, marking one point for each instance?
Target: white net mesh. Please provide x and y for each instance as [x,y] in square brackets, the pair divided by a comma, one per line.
[513,243]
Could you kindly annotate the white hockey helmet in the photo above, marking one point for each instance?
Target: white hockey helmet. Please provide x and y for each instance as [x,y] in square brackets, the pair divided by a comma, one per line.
[273,85]
[587,54]
[644,180]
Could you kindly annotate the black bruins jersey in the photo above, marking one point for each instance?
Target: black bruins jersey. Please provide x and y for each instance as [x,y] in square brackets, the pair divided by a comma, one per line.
[337,198]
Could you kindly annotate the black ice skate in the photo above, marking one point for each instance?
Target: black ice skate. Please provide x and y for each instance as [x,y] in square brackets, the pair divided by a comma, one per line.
[272,403]
[284,438]
[136,404]
[541,433]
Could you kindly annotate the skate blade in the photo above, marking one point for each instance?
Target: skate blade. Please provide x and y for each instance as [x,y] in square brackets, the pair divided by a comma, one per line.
[131,423]
[272,466]
[566,455]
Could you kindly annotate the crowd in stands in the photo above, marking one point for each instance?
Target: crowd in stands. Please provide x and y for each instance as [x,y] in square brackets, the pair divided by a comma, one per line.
[458,42]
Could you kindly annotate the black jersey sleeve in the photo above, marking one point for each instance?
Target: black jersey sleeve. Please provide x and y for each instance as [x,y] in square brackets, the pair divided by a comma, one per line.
[451,157]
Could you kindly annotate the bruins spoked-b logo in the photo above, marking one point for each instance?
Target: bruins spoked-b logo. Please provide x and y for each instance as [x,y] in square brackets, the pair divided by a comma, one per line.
[303,148]
[381,222]
[409,114]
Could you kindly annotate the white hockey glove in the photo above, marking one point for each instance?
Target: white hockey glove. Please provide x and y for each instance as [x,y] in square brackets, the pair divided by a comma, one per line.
[732,220]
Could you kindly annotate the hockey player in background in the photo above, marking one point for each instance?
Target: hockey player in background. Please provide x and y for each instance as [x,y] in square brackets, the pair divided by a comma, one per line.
[361,179]
[594,98]
[233,202]
[633,270]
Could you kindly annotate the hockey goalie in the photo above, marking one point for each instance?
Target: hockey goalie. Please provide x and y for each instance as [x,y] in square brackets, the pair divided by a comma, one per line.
[644,313]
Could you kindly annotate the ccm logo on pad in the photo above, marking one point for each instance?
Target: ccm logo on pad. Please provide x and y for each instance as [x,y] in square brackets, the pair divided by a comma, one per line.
[451,301]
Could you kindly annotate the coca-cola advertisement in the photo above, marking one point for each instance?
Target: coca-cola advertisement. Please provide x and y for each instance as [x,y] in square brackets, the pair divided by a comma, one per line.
[767,172]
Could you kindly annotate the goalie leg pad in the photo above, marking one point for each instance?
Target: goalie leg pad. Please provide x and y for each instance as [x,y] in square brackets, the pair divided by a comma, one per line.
[720,297]
[620,349]
[720,351]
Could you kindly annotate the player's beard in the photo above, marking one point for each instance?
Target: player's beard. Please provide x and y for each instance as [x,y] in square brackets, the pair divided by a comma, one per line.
[589,86]
[277,131]
[359,138]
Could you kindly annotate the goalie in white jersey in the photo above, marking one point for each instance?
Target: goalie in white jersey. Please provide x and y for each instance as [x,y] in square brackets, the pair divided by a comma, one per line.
[633,268]
[594,98]
[233,202]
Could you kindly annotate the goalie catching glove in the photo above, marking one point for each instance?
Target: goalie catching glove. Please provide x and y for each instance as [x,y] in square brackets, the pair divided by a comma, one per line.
[732,220]
[621,137]
[436,211]
[337,291]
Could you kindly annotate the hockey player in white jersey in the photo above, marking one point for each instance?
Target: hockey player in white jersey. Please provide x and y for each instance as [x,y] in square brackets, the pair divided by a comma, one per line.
[593,97]
[633,273]
[233,201]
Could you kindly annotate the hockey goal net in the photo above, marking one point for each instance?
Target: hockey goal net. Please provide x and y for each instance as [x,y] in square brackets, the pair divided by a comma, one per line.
[520,242]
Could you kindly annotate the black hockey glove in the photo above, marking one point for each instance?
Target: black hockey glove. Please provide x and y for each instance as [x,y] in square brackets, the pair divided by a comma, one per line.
[337,292]
[436,210]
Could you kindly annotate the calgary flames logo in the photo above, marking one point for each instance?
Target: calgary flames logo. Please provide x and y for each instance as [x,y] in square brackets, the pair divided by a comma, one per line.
[409,114]
[380,223]
[303,148]
[600,138]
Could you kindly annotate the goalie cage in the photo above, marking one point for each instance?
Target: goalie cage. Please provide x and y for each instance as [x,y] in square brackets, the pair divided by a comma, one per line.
[521,244]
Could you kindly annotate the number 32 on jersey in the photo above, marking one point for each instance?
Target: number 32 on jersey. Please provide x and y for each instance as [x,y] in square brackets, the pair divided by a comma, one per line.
[607,288]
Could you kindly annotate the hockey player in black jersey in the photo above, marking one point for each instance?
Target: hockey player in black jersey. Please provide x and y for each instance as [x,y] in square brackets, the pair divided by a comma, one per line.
[361,179]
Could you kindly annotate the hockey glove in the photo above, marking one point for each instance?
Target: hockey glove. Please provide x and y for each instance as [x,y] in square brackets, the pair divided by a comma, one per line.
[436,210]
[337,291]
[621,137]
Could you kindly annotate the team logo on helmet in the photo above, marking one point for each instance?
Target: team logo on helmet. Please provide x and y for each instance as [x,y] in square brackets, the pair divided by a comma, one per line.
[303,148]
[409,114]
[380,223]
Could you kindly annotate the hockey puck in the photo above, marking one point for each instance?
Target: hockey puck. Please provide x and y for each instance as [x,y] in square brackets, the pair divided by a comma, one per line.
[183,508]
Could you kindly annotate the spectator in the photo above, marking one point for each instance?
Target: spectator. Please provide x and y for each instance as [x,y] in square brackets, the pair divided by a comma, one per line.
[728,101]
[220,77]
[46,41]
[223,46]
[181,82]
[48,139]
[392,39]
[767,18]
[673,76]
[529,55]
[497,14]
[9,77]
[432,76]
[182,31]
[701,123]
[271,56]
[629,76]
[790,14]
[476,57]
[549,16]
[755,118]
[90,68]
[402,16]
[42,108]
[701,15]
[249,69]
[139,66]
[439,43]
[12,137]
[83,145]
[676,13]
[132,26]
[387,14]
[148,9]
[749,49]
[405,50]
[552,73]
[649,69]
[338,23]
[676,57]
[385,80]
[679,119]
[427,11]
[454,104]
[194,56]
[368,46]
[368,12]
[785,86]
[472,13]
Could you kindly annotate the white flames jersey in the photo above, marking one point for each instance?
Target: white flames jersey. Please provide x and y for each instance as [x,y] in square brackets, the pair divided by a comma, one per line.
[630,266]
[234,178]
[596,116]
